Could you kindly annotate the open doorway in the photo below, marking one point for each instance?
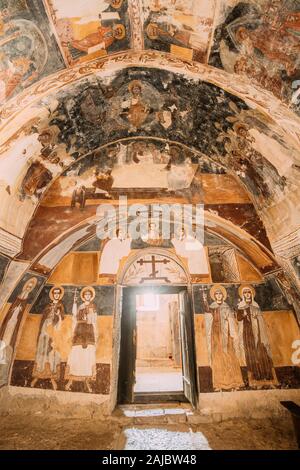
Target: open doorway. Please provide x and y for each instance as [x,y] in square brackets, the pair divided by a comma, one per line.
[157,350]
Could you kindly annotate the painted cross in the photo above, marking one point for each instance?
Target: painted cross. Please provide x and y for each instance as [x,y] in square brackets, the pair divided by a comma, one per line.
[203,293]
[153,275]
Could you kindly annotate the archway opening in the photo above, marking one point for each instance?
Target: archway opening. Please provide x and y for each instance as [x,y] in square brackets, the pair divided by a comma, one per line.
[158,344]
[157,348]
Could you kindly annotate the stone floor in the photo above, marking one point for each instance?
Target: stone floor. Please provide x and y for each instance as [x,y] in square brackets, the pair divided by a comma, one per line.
[158,379]
[166,427]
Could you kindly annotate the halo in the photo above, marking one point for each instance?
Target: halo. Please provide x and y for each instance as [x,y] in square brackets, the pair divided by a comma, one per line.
[116,3]
[48,130]
[215,288]
[31,280]
[62,291]
[90,289]
[246,286]
[133,84]
[238,32]
[119,35]
[149,30]
[238,125]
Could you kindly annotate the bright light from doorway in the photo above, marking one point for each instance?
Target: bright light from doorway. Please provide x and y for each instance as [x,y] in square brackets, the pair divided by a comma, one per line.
[147,302]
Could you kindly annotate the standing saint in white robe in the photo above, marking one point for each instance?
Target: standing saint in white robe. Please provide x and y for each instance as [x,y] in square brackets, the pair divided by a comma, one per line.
[81,364]
[113,251]
[189,247]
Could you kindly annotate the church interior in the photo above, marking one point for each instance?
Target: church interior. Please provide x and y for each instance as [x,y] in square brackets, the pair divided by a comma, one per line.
[157,341]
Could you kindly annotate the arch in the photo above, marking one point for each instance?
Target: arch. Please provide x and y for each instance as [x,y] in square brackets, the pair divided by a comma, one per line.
[124,351]
[133,257]
[240,86]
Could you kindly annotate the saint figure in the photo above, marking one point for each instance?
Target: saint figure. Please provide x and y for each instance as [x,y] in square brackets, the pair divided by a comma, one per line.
[48,359]
[10,327]
[11,323]
[253,339]
[114,250]
[222,341]
[81,365]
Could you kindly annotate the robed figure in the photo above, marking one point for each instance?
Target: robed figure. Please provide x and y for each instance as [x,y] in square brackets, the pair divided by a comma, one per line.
[222,341]
[253,338]
[10,327]
[47,363]
[81,365]
[11,323]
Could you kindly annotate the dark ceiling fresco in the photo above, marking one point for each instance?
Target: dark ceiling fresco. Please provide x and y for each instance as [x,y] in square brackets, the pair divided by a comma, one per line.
[156,103]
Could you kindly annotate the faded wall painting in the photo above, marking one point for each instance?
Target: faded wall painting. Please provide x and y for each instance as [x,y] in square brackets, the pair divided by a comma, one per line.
[182,27]
[113,171]
[28,49]
[90,28]
[150,115]
[66,342]
[222,341]
[260,40]
[14,312]
[240,325]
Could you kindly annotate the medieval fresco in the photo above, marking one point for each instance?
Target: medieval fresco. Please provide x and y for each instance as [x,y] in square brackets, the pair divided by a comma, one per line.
[139,105]
[114,171]
[104,298]
[181,27]
[66,323]
[66,343]
[160,106]
[18,302]
[90,28]
[120,245]
[239,331]
[223,264]
[154,269]
[134,106]
[28,48]
[267,294]
[260,40]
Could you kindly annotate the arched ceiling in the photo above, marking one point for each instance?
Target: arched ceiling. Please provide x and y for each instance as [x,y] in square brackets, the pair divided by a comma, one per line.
[213,85]
[257,39]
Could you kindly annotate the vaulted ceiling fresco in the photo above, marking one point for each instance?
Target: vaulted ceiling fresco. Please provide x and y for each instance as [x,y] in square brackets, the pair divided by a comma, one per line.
[159,100]
[258,40]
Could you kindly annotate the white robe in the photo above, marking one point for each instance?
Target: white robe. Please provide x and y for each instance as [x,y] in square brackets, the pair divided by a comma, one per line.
[228,328]
[194,251]
[82,361]
[113,251]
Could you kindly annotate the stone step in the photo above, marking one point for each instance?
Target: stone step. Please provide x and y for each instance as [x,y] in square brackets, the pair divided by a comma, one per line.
[164,413]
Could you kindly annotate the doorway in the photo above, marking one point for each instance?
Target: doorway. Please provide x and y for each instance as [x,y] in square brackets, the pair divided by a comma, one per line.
[158,350]
[157,358]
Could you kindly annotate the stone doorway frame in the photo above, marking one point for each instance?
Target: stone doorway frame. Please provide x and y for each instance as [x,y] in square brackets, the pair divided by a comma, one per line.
[124,266]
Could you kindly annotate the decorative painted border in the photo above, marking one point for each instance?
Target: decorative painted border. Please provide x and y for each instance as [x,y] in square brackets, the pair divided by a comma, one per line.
[135,10]
[264,101]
